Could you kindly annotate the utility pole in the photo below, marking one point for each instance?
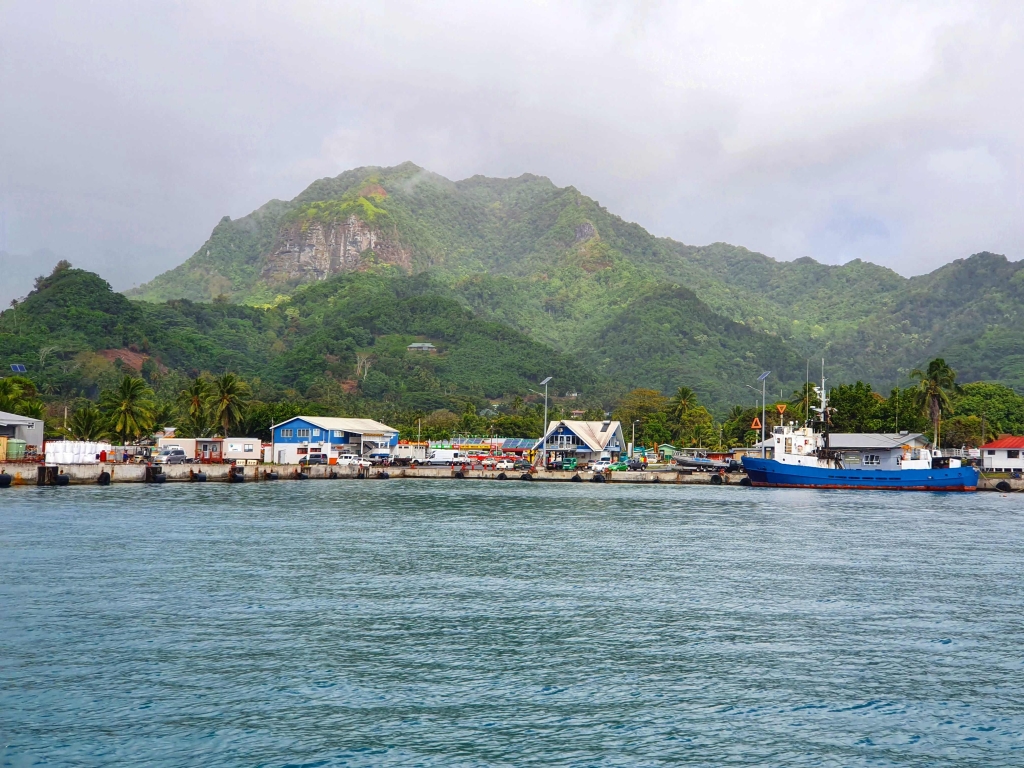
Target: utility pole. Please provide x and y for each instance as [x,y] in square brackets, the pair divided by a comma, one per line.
[544,428]
[762,378]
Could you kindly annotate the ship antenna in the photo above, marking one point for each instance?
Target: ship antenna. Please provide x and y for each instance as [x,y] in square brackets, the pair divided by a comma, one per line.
[824,404]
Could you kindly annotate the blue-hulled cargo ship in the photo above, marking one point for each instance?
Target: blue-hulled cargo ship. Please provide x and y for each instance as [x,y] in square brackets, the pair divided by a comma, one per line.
[811,457]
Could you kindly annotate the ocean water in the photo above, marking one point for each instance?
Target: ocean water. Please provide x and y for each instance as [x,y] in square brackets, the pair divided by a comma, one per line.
[486,623]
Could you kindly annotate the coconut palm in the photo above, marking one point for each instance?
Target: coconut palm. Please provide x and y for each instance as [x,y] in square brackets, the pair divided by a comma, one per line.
[229,398]
[681,403]
[129,407]
[88,423]
[935,386]
[193,399]
[803,399]
[18,395]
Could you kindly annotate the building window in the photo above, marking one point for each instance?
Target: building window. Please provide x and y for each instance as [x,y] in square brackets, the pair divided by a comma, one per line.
[316,433]
[302,432]
[302,450]
[872,458]
[338,433]
[1013,454]
[991,453]
[248,448]
[287,433]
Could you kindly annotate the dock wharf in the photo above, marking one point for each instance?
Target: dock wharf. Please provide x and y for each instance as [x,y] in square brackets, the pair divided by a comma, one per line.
[93,474]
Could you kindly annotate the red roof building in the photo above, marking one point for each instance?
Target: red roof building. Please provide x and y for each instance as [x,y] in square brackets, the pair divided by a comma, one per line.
[1005,441]
[1003,455]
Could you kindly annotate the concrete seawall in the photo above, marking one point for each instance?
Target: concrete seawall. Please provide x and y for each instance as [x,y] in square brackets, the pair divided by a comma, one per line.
[89,474]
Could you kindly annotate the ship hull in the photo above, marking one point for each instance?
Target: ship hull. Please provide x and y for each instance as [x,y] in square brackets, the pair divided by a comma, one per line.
[768,473]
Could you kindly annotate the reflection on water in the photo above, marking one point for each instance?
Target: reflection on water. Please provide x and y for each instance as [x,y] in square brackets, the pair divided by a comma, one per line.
[470,623]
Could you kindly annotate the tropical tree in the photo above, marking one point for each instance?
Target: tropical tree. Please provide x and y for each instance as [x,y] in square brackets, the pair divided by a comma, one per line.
[194,399]
[18,395]
[681,403]
[228,400]
[87,423]
[129,408]
[164,415]
[804,399]
[935,388]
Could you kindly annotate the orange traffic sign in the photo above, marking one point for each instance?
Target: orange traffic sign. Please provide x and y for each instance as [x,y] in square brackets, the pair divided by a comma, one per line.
[756,424]
[781,408]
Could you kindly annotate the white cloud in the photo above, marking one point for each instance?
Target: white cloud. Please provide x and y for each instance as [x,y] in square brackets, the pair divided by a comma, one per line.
[885,130]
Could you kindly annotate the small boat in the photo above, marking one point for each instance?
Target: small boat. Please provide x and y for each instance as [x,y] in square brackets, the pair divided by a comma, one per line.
[703,463]
[809,457]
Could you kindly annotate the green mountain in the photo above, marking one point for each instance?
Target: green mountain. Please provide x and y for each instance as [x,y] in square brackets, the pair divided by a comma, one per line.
[639,310]
[342,341]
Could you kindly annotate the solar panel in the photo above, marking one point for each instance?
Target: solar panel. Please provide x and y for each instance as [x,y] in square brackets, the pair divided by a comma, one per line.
[18,368]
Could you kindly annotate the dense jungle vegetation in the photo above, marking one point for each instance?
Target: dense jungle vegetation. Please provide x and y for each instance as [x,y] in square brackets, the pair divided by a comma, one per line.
[557,266]
[339,347]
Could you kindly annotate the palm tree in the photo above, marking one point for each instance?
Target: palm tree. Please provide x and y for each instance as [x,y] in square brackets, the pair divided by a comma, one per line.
[88,424]
[11,394]
[193,399]
[517,404]
[804,399]
[935,385]
[18,395]
[228,400]
[685,399]
[129,408]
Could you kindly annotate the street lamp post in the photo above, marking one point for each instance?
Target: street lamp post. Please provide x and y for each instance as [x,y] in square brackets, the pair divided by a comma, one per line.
[632,444]
[762,379]
[544,428]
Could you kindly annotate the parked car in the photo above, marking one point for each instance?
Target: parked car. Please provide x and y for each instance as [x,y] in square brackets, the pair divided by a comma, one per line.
[505,464]
[600,466]
[618,466]
[171,456]
[313,458]
[636,465]
[345,459]
[522,464]
[569,463]
[489,462]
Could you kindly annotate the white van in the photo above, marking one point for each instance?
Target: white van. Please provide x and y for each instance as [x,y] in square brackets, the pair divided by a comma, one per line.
[444,457]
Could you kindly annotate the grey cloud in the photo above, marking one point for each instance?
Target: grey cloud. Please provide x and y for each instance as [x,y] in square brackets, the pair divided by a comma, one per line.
[886,131]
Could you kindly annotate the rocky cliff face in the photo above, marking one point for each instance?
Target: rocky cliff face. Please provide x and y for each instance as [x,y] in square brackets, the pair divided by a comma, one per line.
[317,251]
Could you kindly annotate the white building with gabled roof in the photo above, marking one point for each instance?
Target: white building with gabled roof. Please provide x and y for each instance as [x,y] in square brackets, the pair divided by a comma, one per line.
[586,440]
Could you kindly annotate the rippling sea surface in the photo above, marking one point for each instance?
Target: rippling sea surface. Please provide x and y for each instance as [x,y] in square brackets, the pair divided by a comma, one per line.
[487,623]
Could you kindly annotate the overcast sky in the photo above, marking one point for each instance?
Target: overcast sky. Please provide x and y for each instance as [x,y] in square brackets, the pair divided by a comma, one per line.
[889,131]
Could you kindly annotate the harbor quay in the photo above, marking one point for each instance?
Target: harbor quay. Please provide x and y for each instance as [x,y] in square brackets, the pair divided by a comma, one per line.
[97,474]
[93,474]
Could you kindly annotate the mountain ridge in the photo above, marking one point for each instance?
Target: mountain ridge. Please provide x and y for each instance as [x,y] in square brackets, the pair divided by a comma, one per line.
[555,264]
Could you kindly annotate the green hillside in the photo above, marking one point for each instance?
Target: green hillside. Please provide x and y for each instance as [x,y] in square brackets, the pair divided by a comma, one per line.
[559,267]
[344,338]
